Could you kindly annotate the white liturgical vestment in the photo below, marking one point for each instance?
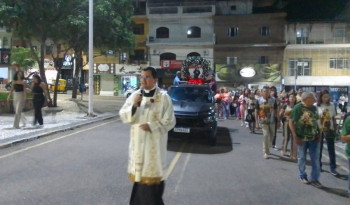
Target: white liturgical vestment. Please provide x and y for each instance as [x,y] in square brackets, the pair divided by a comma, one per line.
[147,149]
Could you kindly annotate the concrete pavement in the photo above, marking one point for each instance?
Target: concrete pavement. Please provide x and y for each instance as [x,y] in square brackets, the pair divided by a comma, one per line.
[69,114]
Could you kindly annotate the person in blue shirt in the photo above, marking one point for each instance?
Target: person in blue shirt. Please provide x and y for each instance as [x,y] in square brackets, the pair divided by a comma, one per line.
[177,78]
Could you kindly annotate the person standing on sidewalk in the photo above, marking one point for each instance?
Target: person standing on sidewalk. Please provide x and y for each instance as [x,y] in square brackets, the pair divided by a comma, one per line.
[265,114]
[18,89]
[39,90]
[305,131]
[345,136]
[327,125]
[150,113]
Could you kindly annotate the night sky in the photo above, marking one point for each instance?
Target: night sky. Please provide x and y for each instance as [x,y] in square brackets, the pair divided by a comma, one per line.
[314,9]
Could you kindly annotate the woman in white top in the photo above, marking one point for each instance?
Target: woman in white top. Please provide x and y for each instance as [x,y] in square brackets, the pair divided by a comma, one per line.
[327,125]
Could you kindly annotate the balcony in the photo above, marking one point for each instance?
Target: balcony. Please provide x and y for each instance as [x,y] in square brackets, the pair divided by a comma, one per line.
[205,39]
[202,10]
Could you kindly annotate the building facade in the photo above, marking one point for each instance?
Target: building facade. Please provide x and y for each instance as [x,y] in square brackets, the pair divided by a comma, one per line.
[249,40]
[317,56]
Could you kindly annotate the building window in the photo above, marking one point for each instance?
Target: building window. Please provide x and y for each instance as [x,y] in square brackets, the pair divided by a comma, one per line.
[233,8]
[233,31]
[264,31]
[194,32]
[339,32]
[162,32]
[301,36]
[301,65]
[263,60]
[139,29]
[338,63]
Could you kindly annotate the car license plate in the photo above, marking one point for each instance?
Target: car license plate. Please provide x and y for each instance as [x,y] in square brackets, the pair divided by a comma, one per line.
[182,129]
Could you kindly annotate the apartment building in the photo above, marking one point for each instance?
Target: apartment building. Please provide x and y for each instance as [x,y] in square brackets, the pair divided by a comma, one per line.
[317,56]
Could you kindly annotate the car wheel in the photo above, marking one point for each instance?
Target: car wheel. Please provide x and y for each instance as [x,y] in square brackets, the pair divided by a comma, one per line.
[127,95]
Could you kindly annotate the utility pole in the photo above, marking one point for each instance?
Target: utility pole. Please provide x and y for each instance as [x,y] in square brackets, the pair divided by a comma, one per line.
[295,78]
[91,58]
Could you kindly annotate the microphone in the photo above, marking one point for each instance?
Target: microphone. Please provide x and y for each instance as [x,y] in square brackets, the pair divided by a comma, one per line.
[141,94]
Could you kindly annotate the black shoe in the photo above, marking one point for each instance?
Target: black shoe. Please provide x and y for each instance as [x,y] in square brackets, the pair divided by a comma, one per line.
[316,184]
[334,173]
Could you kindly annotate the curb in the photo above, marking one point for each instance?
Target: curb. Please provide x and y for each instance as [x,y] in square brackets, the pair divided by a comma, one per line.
[54,131]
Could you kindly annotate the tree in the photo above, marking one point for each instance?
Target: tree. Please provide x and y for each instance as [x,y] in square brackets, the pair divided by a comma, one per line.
[112,30]
[33,21]
[67,22]
[23,57]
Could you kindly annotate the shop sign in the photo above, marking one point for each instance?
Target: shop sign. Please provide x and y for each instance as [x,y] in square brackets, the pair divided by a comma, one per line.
[106,68]
[171,64]
[67,62]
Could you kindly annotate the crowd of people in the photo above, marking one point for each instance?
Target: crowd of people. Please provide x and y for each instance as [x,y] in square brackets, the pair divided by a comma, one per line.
[307,120]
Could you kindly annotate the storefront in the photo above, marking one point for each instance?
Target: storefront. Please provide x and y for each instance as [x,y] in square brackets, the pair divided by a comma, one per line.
[115,79]
[126,78]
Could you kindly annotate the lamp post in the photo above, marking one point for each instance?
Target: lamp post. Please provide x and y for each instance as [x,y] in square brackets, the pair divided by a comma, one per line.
[91,60]
[295,78]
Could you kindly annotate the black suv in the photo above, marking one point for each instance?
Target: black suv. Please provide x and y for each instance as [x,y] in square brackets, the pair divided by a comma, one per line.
[194,110]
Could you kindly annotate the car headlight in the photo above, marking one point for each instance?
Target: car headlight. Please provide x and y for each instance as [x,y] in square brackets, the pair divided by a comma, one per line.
[208,119]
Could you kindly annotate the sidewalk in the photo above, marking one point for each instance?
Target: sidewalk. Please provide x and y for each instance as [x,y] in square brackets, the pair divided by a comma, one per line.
[70,115]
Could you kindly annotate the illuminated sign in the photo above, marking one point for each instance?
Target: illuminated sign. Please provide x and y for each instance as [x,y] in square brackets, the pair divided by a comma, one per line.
[247,72]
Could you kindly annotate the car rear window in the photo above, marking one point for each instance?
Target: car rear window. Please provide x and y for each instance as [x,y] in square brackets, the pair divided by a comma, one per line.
[190,94]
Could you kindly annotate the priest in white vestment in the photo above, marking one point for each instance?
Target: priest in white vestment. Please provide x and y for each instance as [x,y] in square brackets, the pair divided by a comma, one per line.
[149,111]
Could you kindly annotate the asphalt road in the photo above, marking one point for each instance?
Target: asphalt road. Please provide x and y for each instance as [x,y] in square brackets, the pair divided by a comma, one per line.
[88,166]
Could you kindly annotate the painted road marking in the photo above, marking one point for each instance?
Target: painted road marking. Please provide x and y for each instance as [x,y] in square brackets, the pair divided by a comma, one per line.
[174,161]
[53,140]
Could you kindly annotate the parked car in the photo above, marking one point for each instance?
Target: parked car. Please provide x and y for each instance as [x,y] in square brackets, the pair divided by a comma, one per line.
[61,86]
[130,90]
[194,109]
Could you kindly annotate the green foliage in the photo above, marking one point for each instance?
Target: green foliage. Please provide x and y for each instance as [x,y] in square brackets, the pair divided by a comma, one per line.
[22,56]
[3,95]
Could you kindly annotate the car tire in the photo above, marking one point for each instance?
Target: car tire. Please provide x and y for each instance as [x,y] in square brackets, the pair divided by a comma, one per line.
[127,95]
